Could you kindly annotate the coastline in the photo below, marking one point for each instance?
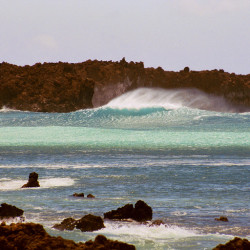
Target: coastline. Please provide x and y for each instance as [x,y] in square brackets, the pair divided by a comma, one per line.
[66,87]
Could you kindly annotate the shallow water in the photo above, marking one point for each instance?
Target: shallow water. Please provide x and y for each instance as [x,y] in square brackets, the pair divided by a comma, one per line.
[188,164]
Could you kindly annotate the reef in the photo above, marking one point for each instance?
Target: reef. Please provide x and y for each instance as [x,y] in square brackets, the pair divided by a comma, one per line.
[65,87]
[33,236]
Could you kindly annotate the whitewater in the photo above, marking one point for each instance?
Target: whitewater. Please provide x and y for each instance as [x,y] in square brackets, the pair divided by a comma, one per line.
[184,152]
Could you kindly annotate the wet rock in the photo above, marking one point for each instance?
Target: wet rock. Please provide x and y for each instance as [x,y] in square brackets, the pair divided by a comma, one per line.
[78,194]
[33,181]
[141,212]
[235,244]
[8,211]
[33,236]
[90,223]
[66,224]
[156,223]
[87,223]
[90,196]
[222,218]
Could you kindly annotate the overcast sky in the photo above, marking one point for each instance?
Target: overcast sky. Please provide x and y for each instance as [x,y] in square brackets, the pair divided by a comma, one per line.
[201,34]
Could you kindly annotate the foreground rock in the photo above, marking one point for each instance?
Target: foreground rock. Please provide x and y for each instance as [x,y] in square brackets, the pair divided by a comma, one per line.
[141,212]
[33,236]
[33,181]
[87,223]
[64,87]
[9,211]
[235,244]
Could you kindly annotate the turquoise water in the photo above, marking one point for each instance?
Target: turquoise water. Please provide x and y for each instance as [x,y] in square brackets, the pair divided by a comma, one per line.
[190,165]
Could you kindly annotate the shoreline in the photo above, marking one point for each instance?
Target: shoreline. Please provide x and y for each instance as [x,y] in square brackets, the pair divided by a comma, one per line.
[64,87]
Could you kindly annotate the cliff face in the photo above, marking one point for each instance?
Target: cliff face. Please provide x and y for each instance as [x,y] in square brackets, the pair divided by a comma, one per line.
[64,87]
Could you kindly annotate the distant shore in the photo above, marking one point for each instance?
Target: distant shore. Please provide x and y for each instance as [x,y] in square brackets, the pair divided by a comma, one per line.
[65,87]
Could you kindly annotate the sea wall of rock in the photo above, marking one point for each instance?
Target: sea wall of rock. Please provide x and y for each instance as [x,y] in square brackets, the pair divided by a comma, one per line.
[65,87]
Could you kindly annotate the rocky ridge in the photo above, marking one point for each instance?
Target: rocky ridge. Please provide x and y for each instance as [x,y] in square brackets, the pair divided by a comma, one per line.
[65,87]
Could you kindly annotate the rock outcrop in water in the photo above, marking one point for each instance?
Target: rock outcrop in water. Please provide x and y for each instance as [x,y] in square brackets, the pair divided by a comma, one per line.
[87,223]
[33,236]
[141,212]
[235,244]
[33,181]
[64,87]
[9,211]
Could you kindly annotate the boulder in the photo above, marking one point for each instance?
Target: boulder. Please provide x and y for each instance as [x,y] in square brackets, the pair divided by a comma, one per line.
[90,223]
[87,223]
[222,218]
[235,244]
[78,195]
[125,212]
[90,196]
[8,211]
[66,224]
[141,212]
[33,181]
[33,236]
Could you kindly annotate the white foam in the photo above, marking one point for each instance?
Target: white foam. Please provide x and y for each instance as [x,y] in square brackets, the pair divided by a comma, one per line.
[146,232]
[44,183]
[170,99]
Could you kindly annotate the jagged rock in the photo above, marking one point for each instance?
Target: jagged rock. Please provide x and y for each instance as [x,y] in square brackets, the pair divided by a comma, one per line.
[222,218]
[78,194]
[235,244]
[125,212]
[33,181]
[66,224]
[156,223]
[64,87]
[33,236]
[90,196]
[141,212]
[8,211]
[89,223]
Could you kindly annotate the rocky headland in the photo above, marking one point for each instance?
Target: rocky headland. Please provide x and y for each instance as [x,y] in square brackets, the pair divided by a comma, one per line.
[65,87]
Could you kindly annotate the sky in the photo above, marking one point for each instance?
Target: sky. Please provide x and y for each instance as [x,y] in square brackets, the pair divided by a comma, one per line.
[172,34]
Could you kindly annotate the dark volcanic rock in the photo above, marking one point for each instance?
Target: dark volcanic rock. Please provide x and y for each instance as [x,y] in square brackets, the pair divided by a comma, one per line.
[235,244]
[222,218]
[66,224]
[33,181]
[141,212]
[89,223]
[90,196]
[33,236]
[7,211]
[64,87]
[78,194]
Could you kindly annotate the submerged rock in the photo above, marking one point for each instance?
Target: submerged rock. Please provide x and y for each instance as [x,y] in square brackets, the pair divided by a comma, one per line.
[33,236]
[8,211]
[87,223]
[33,181]
[141,212]
[235,244]
[222,218]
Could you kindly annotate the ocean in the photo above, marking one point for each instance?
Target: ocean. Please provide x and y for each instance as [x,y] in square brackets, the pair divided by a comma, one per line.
[185,153]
